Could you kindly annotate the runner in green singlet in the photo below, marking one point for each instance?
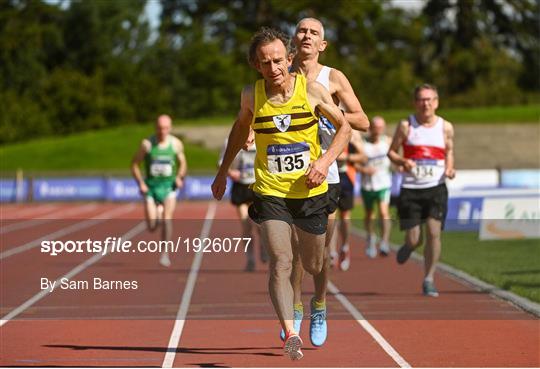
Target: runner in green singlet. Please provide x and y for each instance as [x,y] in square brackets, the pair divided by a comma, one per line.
[165,165]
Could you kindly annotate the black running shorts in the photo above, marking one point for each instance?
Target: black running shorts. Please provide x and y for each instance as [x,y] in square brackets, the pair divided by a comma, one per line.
[241,194]
[310,214]
[416,205]
[334,195]
[346,199]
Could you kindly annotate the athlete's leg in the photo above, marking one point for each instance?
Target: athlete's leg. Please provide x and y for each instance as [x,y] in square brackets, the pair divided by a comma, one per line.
[321,280]
[413,237]
[344,252]
[345,226]
[311,248]
[432,251]
[150,213]
[368,223]
[242,211]
[318,326]
[297,274]
[333,238]
[276,235]
[169,204]
[386,221]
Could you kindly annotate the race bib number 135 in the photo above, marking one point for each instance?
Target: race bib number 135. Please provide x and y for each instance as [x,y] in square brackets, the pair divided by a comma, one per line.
[288,158]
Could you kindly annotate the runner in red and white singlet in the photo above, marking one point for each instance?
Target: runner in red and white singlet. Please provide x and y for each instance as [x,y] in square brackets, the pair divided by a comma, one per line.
[427,160]
[426,147]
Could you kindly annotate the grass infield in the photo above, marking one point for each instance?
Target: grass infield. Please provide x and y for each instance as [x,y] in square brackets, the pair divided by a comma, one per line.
[97,152]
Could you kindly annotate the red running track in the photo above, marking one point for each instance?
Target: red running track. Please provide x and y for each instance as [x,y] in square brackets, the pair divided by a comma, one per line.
[230,321]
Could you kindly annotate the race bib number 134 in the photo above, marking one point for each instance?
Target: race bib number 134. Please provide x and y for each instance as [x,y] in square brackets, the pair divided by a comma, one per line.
[288,158]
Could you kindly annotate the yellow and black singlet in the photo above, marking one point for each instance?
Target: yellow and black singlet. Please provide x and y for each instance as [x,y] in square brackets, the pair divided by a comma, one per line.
[287,140]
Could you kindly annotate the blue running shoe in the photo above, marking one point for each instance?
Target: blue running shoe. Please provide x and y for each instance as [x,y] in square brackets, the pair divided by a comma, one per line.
[428,288]
[317,328]
[297,323]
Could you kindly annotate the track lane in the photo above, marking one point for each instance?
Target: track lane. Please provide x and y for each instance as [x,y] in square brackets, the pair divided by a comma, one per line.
[75,340]
[463,327]
[232,321]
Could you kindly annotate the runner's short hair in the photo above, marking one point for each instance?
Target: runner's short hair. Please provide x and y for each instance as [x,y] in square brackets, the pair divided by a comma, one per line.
[266,35]
[424,86]
[313,19]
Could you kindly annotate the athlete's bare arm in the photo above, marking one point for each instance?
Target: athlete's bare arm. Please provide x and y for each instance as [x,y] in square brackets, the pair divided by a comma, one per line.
[450,172]
[237,138]
[353,109]
[136,170]
[357,157]
[182,163]
[321,101]
[402,130]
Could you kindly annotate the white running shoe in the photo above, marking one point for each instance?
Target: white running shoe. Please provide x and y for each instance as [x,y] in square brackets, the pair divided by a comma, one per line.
[371,251]
[334,259]
[293,346]
[164,260]
[384,249]
[344,258]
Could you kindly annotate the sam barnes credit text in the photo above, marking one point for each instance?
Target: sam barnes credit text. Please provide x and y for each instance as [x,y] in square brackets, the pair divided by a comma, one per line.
[92,284]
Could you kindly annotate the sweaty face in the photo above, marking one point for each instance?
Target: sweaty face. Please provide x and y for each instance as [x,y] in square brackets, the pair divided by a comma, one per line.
[308,37]
[273,63]
[426,102]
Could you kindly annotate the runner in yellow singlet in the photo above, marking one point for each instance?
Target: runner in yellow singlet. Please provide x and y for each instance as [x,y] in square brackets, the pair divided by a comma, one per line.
[290,168]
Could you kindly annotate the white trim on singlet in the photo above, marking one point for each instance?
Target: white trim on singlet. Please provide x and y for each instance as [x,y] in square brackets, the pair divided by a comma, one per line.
[324,79]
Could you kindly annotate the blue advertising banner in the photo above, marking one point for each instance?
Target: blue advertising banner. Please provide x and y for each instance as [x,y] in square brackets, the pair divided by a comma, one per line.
[9,191]
[198,188]
[66,189]
[122,189]
[464,213]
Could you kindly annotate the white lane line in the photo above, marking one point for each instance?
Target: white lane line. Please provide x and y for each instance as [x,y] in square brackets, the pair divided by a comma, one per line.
[33,209]
[100,218]
[73,272]
[367,326]
[176,333]
[50,218]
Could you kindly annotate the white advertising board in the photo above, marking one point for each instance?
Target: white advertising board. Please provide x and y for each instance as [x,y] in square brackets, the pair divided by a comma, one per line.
[510,218]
